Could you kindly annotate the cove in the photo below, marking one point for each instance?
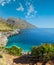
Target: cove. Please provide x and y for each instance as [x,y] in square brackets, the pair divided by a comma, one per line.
[31,37]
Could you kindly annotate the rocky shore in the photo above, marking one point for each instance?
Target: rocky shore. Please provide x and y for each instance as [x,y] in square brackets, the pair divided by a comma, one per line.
[4,36]
[11,33]
[3,40]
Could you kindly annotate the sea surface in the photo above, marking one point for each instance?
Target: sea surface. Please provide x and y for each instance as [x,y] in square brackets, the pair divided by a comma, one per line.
[31,37]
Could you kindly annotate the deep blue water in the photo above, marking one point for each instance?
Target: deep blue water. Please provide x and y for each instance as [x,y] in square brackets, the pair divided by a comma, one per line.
[32,37]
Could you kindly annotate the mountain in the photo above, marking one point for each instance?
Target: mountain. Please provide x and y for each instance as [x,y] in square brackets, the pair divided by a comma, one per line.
[19,23]
[14,23]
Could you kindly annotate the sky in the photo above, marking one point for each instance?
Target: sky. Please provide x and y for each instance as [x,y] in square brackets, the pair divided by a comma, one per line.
[37,12]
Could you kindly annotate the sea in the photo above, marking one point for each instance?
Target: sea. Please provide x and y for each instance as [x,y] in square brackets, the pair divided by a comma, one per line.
[27,38]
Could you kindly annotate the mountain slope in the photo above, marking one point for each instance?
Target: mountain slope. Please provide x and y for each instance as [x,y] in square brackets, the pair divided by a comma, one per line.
[13,23]
[4,26]
[19,23]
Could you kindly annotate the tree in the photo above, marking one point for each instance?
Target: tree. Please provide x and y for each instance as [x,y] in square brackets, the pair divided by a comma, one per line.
[14,50]
[43,52]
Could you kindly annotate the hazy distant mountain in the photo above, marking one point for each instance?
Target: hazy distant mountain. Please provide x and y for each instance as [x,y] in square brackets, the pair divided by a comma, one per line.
[13,23]
[19,23]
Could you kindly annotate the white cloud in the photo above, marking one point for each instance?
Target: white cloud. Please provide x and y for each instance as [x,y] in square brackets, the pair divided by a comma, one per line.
[21,8]
[14,0]
[30,16]
[8,1]
[31,11]
[3,2]
[27,3]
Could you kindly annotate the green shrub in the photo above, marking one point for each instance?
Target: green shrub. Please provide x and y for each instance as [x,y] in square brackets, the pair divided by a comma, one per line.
[14,50]
[43,52]
[1,56]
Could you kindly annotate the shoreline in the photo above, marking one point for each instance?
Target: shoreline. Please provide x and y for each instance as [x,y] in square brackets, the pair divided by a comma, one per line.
[3,39]
[5,35]
[11,33]
[23,52]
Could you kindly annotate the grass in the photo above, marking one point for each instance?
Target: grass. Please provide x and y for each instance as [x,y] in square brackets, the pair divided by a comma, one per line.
[4,27]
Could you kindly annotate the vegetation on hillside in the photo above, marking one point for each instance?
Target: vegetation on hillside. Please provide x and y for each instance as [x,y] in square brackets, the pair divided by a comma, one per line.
[14,50]
[1,56]
[43,53]
[4,26]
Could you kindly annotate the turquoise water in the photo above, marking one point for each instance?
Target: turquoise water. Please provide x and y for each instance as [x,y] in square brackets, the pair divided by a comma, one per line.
[32,37]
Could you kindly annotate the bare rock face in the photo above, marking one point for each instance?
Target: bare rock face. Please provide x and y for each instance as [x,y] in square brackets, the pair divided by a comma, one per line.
[19,23]
[3,40]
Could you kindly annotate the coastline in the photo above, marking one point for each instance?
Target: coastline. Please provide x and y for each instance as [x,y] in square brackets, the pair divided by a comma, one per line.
[6,35]
[20,59]
[23,52]
[3,40]
[11,33]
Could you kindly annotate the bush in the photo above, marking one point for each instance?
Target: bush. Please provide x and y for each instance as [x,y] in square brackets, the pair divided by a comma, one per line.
[43,52]
[14,50]
[1,56]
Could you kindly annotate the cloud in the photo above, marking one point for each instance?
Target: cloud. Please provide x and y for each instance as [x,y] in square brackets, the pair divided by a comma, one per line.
[21,8]
[29,16]
[8,1]
[27,3]
[3,2]
[14,0]
[31,11]
[28,9]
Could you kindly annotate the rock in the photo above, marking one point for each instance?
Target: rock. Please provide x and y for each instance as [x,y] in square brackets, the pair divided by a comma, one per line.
[3,40]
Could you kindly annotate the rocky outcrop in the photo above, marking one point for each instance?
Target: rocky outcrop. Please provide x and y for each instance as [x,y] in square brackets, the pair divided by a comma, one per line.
[3,40]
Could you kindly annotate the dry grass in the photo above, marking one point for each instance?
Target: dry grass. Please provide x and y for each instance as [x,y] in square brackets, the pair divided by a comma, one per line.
[4,26]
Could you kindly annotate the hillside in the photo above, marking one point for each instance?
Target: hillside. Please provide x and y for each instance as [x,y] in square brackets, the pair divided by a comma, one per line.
[4,26]
[13,23]
[19,23]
